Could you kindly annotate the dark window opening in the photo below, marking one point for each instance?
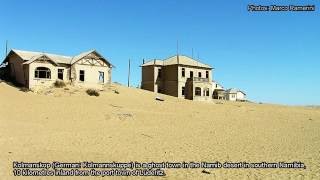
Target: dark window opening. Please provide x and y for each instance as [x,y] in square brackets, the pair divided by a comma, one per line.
[81,75]
[191,74]
[42,72]
[198,91]
[199,74]
[60,74]
[159,73]
[207,74]
[183,72]
[182,91]
[207,92]
[101,77]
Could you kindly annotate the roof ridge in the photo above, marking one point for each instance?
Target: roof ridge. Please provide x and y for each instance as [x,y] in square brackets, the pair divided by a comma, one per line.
[38,52]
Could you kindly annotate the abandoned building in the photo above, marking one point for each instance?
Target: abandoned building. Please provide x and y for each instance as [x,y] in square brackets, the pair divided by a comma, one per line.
[37,69]
[178,76]
[233,94]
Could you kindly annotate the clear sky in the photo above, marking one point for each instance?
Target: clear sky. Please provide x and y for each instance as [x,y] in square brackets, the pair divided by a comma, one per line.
[273,56]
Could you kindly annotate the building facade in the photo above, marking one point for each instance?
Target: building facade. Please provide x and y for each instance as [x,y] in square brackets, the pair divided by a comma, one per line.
[178,76]
[36,69]
[235,95]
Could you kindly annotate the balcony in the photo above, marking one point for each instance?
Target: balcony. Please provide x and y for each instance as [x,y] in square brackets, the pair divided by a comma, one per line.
[198,79]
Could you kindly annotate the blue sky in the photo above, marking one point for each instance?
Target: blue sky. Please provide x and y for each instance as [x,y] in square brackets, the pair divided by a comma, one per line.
[273,56]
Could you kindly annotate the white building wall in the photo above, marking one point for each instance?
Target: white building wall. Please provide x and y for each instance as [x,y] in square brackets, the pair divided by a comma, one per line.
[231,96]
[40,82]
[240,96]
[91,77]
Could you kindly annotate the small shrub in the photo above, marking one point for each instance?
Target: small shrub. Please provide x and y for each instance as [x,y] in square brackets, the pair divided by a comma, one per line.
[59,84]
[93,92]
[116,91]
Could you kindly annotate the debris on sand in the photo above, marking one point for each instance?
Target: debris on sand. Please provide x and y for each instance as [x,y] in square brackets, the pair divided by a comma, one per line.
[159,98]
[115,106]
[146,135]
[205,172]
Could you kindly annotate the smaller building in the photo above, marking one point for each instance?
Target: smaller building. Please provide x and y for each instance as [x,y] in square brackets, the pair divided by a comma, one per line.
[235,95]
[219,94]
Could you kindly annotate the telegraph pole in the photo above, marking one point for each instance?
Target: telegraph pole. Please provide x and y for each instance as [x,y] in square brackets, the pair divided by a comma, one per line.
[192,53]
[129,74]
[6,48]
[177,48]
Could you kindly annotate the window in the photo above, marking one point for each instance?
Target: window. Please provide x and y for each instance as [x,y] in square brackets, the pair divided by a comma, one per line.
[60,74]
[182,91]
[101,77]
[81,75]
[198,91]
[207,92]
[191,74]
[233,96]
[183,72]
[199,74]
[42,72]
[216,85]
[159,73]
[207,74]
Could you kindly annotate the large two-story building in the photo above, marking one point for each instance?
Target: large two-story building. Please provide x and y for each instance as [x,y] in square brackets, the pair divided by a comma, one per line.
[178,76]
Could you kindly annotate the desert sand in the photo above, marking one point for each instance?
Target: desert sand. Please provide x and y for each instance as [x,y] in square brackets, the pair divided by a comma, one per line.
[67,125]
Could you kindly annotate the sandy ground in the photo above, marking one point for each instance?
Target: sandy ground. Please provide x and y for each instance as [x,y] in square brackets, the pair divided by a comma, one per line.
[70,126]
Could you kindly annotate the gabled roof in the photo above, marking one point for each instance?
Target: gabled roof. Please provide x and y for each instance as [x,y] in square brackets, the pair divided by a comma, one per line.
[84,54]
[234,91]
[184,60]
[80,56]
[39,56]
[30,56]
[178,59]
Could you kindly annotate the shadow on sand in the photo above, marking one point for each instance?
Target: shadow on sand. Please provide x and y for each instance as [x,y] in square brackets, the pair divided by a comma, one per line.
[15,85]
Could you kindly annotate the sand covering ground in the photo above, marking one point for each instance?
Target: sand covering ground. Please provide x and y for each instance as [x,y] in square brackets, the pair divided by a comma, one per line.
[67,125]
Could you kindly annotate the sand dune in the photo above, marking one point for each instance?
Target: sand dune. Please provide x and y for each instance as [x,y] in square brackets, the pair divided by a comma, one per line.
[70,126]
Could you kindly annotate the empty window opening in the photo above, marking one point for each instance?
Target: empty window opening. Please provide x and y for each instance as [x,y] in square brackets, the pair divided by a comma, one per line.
[81,75]
[199,74]
[207,92]
[101,77]
[60,74]
[183,72]
[159,73]
[207,74]
[182,92]
[198,91]
[42,72]
[191,74]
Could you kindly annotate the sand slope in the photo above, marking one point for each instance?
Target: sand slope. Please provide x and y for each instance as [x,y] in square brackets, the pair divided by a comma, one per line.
[132,126]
